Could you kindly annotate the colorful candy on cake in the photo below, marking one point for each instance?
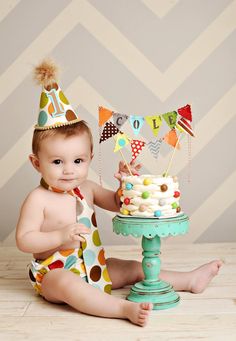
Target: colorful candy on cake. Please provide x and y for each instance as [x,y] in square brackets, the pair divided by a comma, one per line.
[150,196]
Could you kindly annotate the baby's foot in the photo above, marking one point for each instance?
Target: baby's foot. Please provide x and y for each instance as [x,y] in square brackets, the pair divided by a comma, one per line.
[138,313]
[202,276]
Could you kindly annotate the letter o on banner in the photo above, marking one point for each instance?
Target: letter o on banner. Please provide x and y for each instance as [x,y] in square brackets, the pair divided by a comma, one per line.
[136,124]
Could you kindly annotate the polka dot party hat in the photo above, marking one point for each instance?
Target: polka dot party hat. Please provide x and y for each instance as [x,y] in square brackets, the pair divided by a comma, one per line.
[54,108]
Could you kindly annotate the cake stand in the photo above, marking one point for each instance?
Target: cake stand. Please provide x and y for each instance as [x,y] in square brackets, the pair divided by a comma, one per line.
[152,288]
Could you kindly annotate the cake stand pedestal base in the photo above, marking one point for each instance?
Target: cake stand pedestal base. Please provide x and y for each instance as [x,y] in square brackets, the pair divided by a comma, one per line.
[162,295]
[152,289]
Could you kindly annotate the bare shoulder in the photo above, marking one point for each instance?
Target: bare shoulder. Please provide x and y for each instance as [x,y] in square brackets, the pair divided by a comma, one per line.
[38,196]
[34,203]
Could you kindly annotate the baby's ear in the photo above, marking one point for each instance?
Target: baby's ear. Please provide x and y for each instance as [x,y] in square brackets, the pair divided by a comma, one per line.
[35,161]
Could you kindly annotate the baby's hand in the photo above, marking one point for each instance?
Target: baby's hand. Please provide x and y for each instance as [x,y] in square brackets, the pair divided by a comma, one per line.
[123,169]
[73,232]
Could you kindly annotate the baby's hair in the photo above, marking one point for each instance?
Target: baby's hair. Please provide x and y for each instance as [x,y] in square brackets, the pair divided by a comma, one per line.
[77,128]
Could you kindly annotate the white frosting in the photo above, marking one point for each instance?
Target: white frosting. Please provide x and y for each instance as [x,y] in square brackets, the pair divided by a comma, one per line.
[160,202]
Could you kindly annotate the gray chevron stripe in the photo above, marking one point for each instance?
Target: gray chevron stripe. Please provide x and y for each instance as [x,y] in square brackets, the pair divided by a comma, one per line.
[137,23]
[23,25]
[222,235]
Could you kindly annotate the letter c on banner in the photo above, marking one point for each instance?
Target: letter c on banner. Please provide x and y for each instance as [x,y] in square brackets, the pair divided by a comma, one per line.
[117,121]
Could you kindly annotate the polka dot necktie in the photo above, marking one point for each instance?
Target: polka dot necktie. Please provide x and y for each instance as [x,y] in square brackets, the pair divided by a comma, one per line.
[92,250]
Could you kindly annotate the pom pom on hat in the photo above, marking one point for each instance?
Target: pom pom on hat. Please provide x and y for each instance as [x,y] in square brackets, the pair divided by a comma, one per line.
[46,73]
[54,108]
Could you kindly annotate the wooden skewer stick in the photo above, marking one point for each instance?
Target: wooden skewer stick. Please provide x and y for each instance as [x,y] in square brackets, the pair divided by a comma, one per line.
[126,163]
[172,157]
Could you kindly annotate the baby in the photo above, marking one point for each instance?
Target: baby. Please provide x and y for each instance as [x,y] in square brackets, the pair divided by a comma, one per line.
[47,228]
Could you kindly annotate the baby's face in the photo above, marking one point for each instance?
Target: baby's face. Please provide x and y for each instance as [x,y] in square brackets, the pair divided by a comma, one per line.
[64,161]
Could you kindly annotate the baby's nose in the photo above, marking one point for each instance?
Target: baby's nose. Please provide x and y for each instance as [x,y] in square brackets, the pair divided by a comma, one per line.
[68,169]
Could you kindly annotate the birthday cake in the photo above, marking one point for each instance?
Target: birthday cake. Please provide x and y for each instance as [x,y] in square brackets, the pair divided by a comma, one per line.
[150,196]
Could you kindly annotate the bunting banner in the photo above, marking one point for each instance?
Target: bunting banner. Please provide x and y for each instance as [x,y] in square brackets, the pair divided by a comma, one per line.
[104,115]
[136,123]
[171,138]
[155,123]
[170,118]
[121,141]
[108,131]
[177,120]
[154,147]
[119,119]
[136,147]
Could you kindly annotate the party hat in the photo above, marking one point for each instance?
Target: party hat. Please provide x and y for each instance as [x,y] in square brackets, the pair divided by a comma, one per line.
[54,108]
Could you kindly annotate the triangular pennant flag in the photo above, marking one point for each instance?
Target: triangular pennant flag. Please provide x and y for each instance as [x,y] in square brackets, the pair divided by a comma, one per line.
[136,146]
[186,112]
[170,118]
[179,127]
[136,123]
[108,131]
[119,119]
[155,123]
[121,141]
[104,115]
[154,147]
[184,126]
[171,138]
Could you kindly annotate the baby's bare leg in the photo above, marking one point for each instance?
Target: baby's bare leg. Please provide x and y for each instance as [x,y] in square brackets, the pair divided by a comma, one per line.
[61,285]
[124,272]
[194,281]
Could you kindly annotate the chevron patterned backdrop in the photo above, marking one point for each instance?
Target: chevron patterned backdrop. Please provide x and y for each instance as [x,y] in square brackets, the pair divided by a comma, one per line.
[136,57]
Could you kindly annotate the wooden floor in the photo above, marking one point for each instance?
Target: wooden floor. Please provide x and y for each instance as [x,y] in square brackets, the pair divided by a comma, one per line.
[208,316]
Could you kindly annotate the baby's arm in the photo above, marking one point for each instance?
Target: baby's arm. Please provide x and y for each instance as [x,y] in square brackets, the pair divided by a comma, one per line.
[110,200]
[104,198]
[30,238]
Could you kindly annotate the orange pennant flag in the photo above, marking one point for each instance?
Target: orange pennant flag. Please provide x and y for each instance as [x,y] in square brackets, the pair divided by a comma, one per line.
[104,115]
[172,138]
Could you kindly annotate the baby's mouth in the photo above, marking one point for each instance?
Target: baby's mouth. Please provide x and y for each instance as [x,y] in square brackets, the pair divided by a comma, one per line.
[67,180]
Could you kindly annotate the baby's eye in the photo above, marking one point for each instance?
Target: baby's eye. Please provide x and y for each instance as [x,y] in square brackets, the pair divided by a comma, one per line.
[78,160]
[57,162]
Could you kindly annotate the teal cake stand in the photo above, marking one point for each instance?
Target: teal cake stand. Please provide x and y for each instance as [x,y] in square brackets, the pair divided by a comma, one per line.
[152,288]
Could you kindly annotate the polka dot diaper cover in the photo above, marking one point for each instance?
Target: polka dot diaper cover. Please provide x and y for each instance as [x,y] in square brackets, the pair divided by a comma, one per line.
[66,259]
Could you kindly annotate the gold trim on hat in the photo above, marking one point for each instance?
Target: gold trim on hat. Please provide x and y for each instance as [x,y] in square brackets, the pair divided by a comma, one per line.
[56,125]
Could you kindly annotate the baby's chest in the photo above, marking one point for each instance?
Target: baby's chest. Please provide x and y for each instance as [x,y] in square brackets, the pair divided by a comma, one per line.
[60,213]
